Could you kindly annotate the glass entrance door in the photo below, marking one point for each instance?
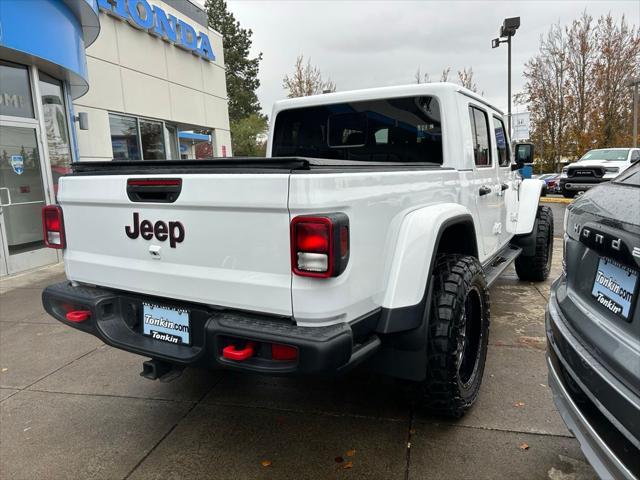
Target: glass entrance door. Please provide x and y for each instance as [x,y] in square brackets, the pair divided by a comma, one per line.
[22,196]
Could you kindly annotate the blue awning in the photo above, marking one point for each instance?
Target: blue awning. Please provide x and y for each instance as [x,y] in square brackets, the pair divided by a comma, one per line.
[52,35]
[194,136]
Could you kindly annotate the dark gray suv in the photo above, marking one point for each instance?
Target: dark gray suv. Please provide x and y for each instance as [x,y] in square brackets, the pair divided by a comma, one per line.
[593,326]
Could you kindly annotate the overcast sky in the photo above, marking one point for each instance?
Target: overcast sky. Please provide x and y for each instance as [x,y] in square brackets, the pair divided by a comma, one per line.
[365,43]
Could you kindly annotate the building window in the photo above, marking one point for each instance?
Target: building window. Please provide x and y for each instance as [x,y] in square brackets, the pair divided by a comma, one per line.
[15,91]
[152,139]
[124,137]
[55,122]
[172,141]
[142,139]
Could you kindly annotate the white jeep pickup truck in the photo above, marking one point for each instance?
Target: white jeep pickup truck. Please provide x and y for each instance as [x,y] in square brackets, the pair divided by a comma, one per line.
[370,234]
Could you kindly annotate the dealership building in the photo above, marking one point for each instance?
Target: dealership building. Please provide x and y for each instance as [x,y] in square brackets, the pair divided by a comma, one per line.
[98,80]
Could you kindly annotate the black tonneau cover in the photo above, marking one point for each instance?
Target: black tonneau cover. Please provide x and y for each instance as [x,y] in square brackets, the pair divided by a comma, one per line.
[238,165]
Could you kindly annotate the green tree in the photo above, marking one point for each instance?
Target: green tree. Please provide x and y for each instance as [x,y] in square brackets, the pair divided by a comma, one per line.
[241,70]
[249,139]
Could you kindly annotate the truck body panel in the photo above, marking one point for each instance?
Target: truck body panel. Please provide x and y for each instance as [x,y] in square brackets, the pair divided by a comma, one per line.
[235,250]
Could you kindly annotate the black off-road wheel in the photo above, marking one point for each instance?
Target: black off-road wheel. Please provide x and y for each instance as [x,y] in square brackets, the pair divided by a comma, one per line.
[536,267]
[457,337]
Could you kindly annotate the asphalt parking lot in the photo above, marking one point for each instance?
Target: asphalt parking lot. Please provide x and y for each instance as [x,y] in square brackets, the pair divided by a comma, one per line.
[71,407]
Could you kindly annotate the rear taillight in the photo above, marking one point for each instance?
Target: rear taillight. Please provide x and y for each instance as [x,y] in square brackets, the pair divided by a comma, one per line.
[320,245]
[53,226]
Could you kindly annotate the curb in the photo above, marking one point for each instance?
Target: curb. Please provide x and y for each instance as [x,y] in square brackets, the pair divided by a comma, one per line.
[566,201]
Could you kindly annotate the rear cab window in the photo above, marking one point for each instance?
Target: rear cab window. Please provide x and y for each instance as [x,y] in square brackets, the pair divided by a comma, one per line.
[502,147]
[630,177]
[480,136]
[401,130]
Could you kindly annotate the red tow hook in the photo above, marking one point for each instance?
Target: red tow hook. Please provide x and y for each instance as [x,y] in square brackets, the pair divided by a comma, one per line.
[77,316]
[230,353]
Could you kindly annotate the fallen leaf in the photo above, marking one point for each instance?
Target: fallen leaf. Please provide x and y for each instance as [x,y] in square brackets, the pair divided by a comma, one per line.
[339,459]
[347,465]
[524,446]
[518,404]
[265,463]
[350,453]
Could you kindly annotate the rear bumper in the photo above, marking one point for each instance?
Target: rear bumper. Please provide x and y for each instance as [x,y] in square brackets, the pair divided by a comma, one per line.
[589,399]
[116,318]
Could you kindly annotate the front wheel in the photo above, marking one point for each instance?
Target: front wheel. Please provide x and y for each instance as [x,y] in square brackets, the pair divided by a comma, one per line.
[568,194]
[457,337]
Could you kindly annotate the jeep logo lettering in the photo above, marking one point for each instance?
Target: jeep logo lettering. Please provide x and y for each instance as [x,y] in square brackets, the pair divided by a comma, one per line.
[174,231]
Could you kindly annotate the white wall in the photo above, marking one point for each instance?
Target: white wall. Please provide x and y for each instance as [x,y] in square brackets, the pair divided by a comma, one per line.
[133,72]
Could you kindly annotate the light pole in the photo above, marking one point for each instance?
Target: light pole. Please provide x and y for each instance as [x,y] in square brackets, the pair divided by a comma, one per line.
[508,30]
[634,82]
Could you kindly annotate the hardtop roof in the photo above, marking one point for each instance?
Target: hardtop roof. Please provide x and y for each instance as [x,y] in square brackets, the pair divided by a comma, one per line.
[379,93]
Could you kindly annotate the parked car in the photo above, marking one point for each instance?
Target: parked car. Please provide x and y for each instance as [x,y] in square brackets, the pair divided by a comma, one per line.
[593,326]
[365,237]
[551,183]
[595,167]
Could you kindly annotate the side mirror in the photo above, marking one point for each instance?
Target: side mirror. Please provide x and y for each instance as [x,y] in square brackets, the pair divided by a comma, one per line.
[523,154]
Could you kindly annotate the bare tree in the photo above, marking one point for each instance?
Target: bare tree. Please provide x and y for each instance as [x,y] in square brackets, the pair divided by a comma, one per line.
[444,77]
[422,78]
[547,92]
[306,80]
[465,78]
[581,58]
[576,87]
[618,61]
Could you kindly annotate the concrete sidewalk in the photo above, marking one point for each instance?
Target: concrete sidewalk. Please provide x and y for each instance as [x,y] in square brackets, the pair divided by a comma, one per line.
[74,408]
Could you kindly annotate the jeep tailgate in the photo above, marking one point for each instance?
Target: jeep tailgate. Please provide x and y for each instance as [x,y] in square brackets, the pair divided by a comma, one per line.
[235,246]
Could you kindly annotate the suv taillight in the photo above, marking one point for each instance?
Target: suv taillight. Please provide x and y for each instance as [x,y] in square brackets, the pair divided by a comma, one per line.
[53,226]
[320,245]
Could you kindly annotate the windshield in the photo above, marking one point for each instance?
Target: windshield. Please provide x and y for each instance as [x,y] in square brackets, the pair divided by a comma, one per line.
[619,154]
[391,130]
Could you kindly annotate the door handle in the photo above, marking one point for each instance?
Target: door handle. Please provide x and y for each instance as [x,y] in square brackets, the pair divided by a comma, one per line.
[2,204]
[484,190]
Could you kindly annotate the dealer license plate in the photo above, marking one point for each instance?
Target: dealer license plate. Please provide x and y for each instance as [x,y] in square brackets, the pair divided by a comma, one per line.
[615,286]
[166,324]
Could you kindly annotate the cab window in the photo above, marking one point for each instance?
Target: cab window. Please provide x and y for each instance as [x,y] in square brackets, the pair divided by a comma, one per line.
[480,136]
[501,142]
[403,130]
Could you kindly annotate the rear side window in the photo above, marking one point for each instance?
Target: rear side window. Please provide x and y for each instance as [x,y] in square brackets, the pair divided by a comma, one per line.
[630,177]
[403,130]
[480,136]
[504,159]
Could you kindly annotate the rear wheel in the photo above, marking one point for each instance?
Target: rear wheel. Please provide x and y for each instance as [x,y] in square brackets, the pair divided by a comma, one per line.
[457,337]
[568,194]
[536,267]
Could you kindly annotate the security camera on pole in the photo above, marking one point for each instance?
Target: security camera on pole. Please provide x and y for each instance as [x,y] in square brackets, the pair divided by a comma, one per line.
[508,30]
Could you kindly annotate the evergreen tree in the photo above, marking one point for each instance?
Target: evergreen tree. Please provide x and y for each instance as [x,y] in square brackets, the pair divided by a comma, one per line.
[242,71]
